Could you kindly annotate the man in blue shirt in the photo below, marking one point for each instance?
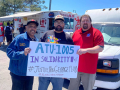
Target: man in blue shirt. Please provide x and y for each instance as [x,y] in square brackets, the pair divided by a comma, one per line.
[18,52]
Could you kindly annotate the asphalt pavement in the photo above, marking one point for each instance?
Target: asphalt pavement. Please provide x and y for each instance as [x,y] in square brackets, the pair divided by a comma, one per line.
[5,79]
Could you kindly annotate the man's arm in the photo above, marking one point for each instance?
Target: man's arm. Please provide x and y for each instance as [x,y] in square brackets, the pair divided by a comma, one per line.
[93,50]
[11,29]
[69,40]
[2,29]
[13,51]
[43,38]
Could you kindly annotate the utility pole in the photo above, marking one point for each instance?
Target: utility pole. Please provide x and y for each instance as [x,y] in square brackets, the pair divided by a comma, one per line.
[14,7]
[50,5]
[4,9]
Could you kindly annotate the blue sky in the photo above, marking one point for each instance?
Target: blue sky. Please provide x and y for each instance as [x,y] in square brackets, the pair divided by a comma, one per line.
[81,5]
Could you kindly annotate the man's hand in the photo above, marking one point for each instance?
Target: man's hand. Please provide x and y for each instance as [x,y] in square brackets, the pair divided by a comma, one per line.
[27,51]
[82,51]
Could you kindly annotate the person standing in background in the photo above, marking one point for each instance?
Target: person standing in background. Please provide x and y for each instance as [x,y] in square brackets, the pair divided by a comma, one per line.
[12,29]
[1,34]
[24,28]
[21,29]
[8,33]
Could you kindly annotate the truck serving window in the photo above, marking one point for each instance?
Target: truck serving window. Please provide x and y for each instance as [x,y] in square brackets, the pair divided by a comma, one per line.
[69,23]
[110,32]
[51,23]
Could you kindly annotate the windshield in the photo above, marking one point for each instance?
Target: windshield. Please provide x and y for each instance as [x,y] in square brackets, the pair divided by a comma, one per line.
[110,32]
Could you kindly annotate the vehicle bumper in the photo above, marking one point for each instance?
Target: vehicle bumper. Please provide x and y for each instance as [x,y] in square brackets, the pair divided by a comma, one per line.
[107,85]
[107,81]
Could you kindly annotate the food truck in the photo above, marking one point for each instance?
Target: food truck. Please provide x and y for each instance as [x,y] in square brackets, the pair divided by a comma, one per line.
[108,68]
[45,20]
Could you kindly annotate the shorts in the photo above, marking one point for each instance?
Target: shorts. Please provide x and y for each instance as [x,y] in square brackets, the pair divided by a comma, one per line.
[1,38]
[9,38]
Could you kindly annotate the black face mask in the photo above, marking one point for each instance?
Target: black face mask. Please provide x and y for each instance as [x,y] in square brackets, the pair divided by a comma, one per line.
[59,29]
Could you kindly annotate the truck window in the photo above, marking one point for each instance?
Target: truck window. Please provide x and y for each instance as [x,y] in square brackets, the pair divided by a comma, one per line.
[71,23]
[97,26]
[111,33]
[51,23]
[67,23]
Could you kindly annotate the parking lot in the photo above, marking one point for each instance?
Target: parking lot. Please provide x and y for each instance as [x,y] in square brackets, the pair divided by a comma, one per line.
[5,79]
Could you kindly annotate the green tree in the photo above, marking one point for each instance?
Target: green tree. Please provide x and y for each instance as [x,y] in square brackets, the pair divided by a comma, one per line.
[8,7]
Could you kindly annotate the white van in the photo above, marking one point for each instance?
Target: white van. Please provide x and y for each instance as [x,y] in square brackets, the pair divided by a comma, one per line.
[45,20]
[108,68]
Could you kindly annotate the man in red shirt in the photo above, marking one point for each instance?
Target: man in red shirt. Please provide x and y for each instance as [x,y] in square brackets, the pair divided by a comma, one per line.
[91,42]
[1,34]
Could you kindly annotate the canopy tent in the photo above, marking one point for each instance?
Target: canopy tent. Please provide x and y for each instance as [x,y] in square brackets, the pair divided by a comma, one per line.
[21,14]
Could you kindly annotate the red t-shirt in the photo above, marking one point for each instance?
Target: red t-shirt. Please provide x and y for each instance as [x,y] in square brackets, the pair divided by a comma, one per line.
[88,39]
[2,29]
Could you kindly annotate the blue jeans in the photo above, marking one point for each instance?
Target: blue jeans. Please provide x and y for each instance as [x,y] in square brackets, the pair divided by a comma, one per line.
[45,81]
[21,82]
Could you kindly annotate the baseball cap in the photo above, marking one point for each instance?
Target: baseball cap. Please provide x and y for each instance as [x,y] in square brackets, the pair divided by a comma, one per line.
[59,17]
[32,21]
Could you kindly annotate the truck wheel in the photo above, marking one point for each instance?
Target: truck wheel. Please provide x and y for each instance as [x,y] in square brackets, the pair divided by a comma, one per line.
[118,88]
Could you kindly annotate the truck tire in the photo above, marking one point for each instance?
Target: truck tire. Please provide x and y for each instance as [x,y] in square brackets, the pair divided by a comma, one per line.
[118,88]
